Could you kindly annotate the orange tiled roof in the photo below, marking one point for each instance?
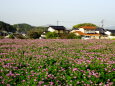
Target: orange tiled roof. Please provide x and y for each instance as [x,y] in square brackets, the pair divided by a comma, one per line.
[85,34]
[88,27]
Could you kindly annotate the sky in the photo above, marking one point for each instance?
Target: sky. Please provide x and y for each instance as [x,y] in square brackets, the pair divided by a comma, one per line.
[67,12]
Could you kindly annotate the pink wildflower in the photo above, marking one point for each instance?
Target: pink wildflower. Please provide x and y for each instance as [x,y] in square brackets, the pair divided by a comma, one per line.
[75,69]
[41,82]
[51,83]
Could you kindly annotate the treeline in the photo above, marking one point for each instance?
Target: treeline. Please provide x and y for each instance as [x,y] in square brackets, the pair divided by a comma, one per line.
[21,28]
[17,30]
[6,27]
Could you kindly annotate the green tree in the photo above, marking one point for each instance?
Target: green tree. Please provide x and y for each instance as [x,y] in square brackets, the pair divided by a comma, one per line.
[19,36]
[6,27]
[84,24]
[73,36]
[40,30]
[26,27]
[69,36]
[36,32]
[23,27]
[52,35]
[33,34]
[11,36]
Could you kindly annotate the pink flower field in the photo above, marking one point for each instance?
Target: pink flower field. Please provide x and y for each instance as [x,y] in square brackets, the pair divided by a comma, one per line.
[57,62]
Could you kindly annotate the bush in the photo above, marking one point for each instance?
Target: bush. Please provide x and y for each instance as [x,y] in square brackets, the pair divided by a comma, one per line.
[19,36]
[52,35]
[33,34]
[1,37]
[11,36]
[73,36]
[63,35]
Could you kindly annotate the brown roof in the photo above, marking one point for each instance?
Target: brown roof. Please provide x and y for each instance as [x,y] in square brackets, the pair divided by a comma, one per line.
[81,33]
[88,27]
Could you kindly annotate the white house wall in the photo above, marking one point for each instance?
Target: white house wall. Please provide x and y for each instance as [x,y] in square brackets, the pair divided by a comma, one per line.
[82,30]
[108,33]
[51,29]
[97,32]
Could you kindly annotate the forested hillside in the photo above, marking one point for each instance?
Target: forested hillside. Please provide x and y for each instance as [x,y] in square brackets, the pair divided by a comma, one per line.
[23,27]
[6,27]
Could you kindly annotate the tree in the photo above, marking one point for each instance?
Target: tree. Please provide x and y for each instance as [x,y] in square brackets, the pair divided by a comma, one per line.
[11,36]
[84,24]
[36,32]
[73,36]
[6,27]
[23,27]
[33,34]
[52,35]
[26,27]
[40,29]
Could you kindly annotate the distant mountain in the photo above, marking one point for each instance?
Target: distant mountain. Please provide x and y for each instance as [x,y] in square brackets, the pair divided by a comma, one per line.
[111,27]
[23,27]
[6,27]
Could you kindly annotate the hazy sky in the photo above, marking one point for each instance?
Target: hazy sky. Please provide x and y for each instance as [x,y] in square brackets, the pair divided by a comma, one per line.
[68,12]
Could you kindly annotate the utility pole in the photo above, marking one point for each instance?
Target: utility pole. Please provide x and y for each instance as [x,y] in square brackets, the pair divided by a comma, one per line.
[102,23]
[57,22]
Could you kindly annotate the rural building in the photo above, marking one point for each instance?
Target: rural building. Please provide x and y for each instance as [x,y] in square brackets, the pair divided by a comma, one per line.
[112,32]
[87,32]
[57,29]
[100,31]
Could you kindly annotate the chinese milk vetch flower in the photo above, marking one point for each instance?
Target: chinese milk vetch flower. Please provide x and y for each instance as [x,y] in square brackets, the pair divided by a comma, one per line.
[51,83]
[75,69]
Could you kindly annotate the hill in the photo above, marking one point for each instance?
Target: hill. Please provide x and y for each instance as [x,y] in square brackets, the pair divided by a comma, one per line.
[6,27]
[23,27]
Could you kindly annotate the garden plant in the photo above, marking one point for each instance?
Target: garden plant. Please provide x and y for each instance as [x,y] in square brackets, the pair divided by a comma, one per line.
[57,62]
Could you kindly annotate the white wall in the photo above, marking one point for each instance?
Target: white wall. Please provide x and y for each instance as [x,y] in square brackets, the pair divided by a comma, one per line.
[82,30]
[97,32]
[108,33]
[51,29]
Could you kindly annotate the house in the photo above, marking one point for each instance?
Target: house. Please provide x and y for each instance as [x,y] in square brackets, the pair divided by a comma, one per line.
[112,32]
[87,32]
[100,31]
[57,29]
[87,29]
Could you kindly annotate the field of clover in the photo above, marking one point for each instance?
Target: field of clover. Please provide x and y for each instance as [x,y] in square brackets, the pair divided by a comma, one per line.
[57,62]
